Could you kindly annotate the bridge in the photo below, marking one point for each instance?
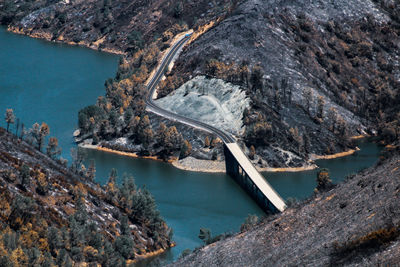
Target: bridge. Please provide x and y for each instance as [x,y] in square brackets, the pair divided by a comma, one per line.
[238,166]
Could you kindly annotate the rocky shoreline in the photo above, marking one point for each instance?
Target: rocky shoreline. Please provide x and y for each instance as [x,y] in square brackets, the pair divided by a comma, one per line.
[46,36]
[216,166]
[200,165]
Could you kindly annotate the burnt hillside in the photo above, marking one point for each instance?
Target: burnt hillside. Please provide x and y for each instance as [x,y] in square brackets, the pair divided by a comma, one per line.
[119,26]
[355,224]
[317,72]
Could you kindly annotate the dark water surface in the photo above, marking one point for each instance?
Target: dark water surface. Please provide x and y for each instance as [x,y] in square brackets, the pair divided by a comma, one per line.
[42,81]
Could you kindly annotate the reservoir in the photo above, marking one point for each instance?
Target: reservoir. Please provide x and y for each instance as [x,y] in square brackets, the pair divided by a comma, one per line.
[50,83]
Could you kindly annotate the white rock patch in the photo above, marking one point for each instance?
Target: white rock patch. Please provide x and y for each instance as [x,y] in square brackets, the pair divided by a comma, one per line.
[212,101]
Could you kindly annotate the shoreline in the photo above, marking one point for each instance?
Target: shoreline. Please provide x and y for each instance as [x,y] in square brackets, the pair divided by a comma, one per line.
[210,166]
[289,169]
[356,137]
[122,153]
[199,165]
[60,40]
[334,156]
[147,255]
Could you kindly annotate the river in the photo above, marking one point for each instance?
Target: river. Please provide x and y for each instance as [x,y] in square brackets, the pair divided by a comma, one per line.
[50,82]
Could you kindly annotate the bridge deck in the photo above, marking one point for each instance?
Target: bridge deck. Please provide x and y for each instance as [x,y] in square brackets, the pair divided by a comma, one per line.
[256,177]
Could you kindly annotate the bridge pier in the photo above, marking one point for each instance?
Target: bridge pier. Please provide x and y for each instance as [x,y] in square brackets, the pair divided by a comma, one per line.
[236,171]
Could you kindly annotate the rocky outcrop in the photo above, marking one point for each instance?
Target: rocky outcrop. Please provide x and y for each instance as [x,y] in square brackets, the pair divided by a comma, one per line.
[211,101]
[355,224]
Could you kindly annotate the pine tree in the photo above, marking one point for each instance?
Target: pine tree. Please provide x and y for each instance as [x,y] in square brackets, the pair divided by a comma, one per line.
[111,187]
[53,150]
[252,152]
[333,118]
[320,107]
[249,223]
[54,240]
[44,131]
[324,182]
[205,235]
[124,246]
[161,134]
[9,117]
[206,142]
[25,176]
[308,96]
[39,133]
[186,149]
[173,140]
[91,172]
[124,226]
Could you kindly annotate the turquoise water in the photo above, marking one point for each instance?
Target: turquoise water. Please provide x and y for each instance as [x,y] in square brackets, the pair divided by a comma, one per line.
[187,200]
[46,82]
[300,185]
[42,81]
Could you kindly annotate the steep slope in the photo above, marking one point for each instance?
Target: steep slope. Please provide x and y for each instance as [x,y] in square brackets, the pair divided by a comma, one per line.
[50,215]
[116,26]
[318,72]
[357,223]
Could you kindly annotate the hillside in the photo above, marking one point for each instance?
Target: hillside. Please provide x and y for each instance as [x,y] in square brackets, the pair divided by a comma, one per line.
[114,26]
[355,224]
[315,73]
[50,215]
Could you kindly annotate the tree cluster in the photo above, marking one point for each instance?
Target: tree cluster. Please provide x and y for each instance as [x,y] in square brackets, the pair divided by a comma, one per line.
[27,238]
[121,113]
[35,136]
[138,203]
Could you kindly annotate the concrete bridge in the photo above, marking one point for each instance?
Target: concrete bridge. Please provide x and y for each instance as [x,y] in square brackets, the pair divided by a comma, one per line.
[238,165]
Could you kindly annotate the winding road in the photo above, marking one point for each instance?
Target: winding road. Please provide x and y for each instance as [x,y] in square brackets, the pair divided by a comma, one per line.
[255,181]
[152,107]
